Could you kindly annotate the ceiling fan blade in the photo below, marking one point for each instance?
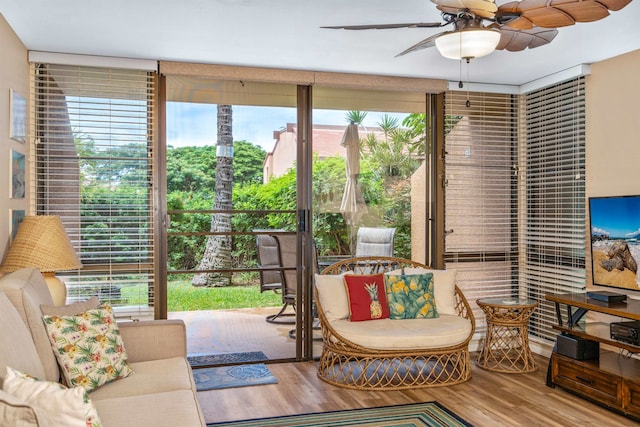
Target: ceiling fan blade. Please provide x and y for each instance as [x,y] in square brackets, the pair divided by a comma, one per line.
[615,4]
[517,40]
[481,8]
[561,13]
[513,9]
[424,44]
[386,26]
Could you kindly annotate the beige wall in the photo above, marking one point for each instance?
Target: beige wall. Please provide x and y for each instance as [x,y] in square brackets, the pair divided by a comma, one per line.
[14,74]
[613,129]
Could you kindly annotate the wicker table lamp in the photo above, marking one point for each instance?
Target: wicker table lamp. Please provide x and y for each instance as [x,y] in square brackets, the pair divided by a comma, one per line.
[42,242]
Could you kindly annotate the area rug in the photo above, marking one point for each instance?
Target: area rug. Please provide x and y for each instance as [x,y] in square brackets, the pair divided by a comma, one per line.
[430,414]
[197,360]
[232,376]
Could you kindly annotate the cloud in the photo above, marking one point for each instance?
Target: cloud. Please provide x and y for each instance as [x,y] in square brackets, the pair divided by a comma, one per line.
[633,234]
[596,231]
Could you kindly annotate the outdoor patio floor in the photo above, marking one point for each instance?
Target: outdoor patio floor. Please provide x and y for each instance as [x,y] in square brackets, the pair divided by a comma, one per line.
[238,330]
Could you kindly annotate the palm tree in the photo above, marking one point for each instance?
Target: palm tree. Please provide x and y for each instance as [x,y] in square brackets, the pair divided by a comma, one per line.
[388,123]
[395,154]
[355,116]
[217,253]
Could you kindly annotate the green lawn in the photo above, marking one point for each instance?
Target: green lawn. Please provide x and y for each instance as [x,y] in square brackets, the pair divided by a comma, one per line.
[184,297]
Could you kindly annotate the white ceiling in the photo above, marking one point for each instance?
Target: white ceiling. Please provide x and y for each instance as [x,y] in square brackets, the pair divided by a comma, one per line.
[287,34]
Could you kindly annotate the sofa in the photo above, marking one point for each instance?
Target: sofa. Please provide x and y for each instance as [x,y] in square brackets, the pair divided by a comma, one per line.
[160,391]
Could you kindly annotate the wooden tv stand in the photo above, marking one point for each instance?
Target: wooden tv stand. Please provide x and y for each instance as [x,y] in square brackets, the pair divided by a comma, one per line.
[613,380]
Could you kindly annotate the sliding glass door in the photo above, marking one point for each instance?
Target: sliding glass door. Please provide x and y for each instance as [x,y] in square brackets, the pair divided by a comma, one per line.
[371,173]
[232,216]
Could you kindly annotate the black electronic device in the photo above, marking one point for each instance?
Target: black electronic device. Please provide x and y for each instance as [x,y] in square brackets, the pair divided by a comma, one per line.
[607,296]
[577,348]
[628,332]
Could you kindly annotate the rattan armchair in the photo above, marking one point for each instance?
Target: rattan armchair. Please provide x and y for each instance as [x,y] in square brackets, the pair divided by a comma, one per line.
[346,364]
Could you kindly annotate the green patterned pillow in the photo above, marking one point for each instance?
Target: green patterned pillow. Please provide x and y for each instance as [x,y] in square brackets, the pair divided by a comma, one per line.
[88,347]
[410,296]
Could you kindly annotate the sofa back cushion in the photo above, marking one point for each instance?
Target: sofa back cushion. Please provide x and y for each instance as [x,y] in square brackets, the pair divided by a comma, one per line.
[332,295]
[16,346]
[27,290]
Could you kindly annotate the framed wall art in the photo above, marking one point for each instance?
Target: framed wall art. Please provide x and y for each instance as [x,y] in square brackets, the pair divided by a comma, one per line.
[17,171]
[17,215]
[18,119]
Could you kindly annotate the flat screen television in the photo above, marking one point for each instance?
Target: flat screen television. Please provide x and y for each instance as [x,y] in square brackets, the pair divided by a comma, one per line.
[615,241]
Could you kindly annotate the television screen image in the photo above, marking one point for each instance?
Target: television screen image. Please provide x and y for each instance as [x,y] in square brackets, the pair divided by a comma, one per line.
[615,241]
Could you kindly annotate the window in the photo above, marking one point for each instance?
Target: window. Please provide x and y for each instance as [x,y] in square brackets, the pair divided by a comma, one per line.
[480,193]
[94,168]
[515,195]
[553,233]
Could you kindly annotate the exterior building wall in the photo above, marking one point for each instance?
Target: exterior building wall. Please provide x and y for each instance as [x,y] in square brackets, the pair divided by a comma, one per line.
[326,143]
[419,215]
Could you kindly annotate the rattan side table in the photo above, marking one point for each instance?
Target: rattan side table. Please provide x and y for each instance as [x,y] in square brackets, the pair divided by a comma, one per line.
[506,347]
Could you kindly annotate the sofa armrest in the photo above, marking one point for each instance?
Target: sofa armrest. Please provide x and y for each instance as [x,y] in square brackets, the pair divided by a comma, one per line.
[154,339]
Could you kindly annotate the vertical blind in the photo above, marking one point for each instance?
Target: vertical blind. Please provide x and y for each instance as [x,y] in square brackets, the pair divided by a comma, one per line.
[479,193]
[94,168]
[553,231]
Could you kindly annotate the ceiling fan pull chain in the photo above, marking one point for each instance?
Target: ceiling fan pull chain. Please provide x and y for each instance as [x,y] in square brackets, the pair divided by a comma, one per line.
[468,104]
[460,84]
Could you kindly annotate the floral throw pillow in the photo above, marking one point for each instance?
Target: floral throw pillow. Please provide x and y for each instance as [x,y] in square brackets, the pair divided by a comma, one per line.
[410,296]
[59,405]
[367,299]
[88,347]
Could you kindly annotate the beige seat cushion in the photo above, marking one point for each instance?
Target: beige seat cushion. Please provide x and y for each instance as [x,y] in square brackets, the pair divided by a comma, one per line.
[388,334]
[155,376]
[170,409]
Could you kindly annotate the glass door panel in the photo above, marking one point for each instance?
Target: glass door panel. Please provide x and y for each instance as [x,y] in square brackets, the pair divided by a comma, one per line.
[225,194]
[369,173]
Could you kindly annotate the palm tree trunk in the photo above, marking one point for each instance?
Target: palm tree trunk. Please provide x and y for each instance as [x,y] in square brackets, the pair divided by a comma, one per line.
[217,253]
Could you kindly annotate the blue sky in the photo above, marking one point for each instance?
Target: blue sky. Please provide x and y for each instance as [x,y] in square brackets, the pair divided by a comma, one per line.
[618,216]
[191,124]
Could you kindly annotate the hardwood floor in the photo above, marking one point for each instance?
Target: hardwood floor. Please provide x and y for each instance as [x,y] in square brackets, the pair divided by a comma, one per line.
[488,399]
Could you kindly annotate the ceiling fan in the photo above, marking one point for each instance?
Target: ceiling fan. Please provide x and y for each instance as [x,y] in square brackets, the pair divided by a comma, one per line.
[480,26]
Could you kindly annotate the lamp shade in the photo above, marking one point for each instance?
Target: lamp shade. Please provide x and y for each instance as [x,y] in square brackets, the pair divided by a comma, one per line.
[42,242]
[468,43]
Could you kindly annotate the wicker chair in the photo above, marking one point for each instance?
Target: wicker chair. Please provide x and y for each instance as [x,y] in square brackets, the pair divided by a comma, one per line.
[346,364]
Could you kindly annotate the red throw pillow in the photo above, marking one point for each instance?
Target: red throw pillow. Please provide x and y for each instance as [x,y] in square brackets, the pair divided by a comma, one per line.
[367,297]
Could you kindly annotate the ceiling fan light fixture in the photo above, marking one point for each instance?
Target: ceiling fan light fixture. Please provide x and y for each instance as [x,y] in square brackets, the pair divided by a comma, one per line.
[468,43]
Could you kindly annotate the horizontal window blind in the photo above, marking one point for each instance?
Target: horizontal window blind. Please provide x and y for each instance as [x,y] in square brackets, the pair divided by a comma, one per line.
[480,193]
[94,168]
[553,231]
